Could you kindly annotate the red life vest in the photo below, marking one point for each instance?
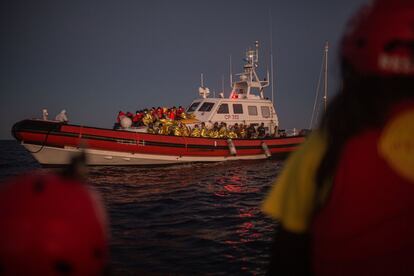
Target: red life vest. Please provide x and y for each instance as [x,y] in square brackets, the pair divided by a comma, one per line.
[159,113]
[172,115]
[179,111]
[118,118]
[367,225]
[137,118]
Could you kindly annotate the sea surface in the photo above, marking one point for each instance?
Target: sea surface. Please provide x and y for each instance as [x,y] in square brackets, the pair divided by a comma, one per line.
[188,219]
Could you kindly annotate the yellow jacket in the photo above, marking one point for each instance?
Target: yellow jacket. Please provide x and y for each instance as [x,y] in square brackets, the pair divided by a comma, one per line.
[195,132]
[204,132]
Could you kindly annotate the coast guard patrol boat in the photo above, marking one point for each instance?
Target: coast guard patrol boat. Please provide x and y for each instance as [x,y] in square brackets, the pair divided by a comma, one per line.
[55,143]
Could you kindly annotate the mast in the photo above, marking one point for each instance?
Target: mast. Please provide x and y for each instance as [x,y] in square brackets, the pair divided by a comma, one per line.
[231,72]
[324,71]
[202,80]
[271,55]
[222,84]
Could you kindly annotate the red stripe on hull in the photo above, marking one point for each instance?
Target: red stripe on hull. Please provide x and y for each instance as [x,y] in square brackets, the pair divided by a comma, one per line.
[134,142]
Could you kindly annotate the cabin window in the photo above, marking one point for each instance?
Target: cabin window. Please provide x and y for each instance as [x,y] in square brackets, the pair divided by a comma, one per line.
[193,107]
[265,111]
[237,109]
[223,109]
[206,107]
[252,110]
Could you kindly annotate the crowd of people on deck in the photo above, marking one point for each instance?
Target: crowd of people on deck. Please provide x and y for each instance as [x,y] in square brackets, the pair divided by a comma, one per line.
[173,121]
[147,116]
[218,130]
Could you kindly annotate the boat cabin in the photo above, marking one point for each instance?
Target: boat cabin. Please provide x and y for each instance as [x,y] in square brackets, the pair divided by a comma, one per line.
[246,103]
[232,111]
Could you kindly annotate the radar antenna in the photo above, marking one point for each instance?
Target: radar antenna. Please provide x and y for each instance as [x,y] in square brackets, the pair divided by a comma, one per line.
[248,79]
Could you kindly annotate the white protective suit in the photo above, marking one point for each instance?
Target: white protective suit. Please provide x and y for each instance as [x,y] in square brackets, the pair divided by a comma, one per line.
[44,114]
[61,117]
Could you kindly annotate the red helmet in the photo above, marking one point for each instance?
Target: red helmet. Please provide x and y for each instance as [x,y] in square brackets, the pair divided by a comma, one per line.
[380,39]
[51,225]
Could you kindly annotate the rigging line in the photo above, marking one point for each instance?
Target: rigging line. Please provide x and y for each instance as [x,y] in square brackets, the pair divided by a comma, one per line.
[325,97]
[318,109]
[317,92]
[44,141]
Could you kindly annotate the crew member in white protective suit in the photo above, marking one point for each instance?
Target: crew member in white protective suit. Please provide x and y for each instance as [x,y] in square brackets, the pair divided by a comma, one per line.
[45,114]
[61,117]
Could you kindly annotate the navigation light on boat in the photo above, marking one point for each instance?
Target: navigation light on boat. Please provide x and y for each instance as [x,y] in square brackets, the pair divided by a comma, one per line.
[234,95]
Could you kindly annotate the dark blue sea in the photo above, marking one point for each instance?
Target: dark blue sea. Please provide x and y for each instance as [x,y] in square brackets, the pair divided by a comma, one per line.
[192,219]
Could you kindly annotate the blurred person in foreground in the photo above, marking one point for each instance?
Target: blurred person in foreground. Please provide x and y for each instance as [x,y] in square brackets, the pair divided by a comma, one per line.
[52,224]
[345,199]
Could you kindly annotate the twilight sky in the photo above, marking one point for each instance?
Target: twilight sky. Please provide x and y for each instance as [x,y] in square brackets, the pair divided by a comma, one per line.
[94,58]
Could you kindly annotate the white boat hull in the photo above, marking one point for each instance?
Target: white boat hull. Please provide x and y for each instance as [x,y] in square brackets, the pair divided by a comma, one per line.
[62,156]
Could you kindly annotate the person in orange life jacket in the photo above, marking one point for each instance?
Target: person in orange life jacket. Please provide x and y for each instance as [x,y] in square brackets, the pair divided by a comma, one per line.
[137,119]
[118,118]
[171,114]
[53,224]
[117,124]
[159,113]
[154,113]
[179,111]
[345,199]
[129,115]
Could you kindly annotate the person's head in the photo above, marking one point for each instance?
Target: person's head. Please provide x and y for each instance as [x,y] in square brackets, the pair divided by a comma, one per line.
[379,40]
[377,57]
[51,225]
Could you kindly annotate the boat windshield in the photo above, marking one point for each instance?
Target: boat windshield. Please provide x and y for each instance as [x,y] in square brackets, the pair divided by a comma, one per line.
[206,107]
[193,107]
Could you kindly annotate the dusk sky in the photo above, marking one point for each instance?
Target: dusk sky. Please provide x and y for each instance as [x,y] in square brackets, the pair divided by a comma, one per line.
[94,58]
